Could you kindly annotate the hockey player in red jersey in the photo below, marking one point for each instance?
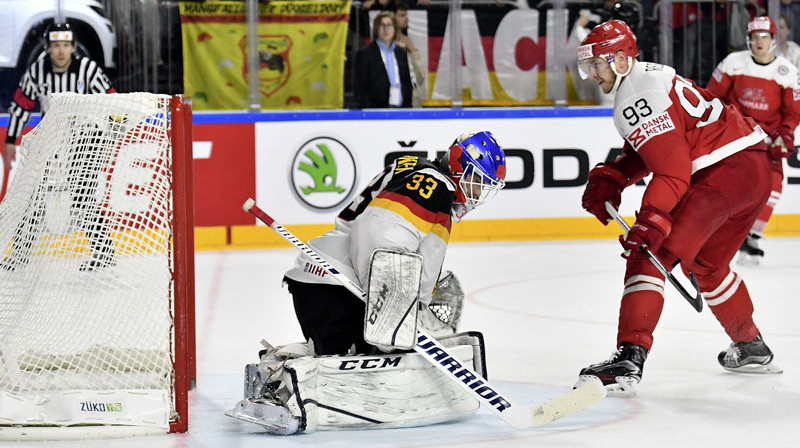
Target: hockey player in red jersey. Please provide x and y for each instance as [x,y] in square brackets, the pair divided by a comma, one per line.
[710,178]
[762,86]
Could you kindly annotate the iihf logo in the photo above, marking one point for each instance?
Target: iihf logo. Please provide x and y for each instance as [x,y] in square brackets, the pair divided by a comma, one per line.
[314,270]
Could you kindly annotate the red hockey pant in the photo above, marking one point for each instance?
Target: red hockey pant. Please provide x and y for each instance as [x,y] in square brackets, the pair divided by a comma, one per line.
[708,225]
[772,201]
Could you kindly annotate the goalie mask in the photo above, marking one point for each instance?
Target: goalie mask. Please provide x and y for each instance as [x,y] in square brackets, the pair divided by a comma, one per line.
[477,165]
[604,41]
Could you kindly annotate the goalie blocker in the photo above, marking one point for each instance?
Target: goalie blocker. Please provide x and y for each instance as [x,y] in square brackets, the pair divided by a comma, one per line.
[390,321]
[360,392]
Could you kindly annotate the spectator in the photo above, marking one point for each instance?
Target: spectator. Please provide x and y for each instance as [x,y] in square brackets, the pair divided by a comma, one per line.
[380,5]
[713,36]
[418,71]
[684,33]
[786,47]
[382,74]
[790,9]
[362,13]
[56,71]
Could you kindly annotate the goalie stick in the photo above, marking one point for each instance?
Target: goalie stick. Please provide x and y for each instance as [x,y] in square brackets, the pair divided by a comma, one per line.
[696,301]
[519,417]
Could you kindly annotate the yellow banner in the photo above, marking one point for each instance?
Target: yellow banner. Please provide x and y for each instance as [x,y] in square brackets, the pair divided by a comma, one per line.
[301,47]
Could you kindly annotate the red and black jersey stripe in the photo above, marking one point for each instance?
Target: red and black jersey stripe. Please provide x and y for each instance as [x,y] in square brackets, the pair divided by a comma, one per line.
[412,187]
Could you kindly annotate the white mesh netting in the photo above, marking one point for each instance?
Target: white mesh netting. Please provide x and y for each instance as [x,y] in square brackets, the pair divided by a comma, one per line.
[86,297]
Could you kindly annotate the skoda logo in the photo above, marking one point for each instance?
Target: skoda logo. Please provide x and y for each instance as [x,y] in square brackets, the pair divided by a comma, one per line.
[323,173]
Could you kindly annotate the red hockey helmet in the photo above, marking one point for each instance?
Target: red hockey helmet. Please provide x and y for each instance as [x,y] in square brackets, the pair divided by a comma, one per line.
[763,24]
[604,41]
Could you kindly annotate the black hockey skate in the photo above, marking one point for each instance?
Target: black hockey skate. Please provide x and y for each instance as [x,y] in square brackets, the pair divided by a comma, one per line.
[749,253]
[749,357]
[621,373]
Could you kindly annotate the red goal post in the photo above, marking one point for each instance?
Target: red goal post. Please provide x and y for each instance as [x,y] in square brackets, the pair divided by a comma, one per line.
[96,259]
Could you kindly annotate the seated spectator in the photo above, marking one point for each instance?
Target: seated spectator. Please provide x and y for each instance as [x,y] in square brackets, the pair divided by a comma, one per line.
[382,74]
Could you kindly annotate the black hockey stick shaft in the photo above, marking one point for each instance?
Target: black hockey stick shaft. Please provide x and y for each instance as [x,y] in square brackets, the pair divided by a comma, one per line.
[697,300]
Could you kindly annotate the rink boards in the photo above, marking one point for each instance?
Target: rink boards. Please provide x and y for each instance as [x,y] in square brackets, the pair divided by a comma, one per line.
[303,167]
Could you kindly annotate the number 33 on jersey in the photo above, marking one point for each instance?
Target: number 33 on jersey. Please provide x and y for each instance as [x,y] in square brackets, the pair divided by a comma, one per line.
[412,188]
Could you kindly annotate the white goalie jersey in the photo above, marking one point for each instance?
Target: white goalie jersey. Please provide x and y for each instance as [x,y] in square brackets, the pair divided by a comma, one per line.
[407,206]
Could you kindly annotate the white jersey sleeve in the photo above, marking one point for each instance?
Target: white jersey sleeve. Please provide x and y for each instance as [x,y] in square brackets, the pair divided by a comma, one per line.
[407,207]
[643,96]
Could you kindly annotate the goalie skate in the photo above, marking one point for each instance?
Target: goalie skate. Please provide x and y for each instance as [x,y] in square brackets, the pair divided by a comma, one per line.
[620,374]
[273,416]
[749,357]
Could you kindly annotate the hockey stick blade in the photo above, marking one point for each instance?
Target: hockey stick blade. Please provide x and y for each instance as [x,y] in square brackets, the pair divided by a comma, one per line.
[697,300]
[519,417]
[568,404]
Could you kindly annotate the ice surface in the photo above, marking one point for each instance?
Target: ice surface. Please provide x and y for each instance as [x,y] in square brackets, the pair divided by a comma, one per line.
[546,309]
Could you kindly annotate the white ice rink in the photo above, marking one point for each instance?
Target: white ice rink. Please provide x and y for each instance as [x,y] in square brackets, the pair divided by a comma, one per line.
[546,309]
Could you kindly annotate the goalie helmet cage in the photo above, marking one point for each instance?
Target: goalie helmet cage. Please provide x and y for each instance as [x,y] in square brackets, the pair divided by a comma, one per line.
[97,271]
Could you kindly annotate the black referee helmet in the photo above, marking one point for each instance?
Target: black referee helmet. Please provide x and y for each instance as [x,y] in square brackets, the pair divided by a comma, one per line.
[58,32]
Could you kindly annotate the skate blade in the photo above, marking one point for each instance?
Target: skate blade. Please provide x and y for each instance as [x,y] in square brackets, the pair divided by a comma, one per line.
[767,369]
[275,419]
[624,387]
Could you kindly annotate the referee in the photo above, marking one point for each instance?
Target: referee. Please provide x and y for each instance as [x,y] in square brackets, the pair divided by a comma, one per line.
[56,71]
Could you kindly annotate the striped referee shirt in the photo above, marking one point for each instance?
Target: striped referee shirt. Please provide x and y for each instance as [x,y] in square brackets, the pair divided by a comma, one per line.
[39,82]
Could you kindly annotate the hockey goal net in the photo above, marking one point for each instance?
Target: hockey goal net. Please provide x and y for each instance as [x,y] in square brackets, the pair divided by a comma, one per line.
[96,303]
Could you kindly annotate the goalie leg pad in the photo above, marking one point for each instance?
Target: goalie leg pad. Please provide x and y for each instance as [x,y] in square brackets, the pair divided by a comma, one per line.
[390,321]
[361,392]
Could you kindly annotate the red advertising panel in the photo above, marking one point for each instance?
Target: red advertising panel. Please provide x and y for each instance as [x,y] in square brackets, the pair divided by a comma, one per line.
[224,173]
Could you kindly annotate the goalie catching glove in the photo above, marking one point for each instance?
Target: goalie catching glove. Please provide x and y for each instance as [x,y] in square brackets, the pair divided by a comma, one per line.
[443,314]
